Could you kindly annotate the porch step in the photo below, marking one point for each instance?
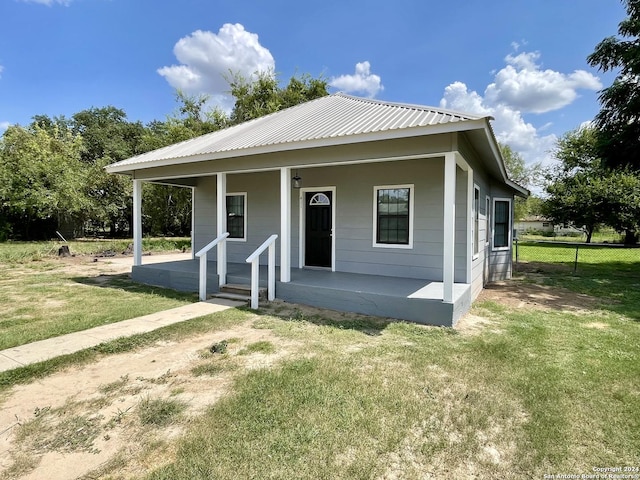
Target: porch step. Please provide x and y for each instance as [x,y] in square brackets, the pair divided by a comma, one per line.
[238,292]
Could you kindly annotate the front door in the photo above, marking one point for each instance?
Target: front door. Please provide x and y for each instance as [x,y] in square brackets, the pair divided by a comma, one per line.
[318,229]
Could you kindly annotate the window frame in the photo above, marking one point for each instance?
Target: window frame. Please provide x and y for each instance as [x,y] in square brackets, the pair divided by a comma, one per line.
[244,201]
[487,213]
[476,222]
[509,224]
[376,189]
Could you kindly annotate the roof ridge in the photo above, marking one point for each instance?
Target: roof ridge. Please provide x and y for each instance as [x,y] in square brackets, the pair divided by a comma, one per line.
[414,106]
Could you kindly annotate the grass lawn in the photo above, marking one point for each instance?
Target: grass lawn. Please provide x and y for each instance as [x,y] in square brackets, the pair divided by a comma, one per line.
[534,390]
[538,391]
[39,301]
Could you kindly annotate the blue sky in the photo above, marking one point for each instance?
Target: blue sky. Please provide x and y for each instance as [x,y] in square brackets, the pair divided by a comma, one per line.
[521,61]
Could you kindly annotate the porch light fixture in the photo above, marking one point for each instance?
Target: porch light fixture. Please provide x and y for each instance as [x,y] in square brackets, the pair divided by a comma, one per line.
[296,181]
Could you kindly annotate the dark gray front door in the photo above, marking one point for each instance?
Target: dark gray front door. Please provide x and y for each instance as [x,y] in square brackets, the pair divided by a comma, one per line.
[318,241]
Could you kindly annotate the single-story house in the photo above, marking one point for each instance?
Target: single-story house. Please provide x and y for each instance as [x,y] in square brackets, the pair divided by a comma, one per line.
[533,223]
[537,224]
[388,209]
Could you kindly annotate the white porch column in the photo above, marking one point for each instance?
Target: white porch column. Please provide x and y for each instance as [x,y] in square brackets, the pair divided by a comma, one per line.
[193,222]
[221,222]
[449,226]
[285,224]
[137,222]
[470,225]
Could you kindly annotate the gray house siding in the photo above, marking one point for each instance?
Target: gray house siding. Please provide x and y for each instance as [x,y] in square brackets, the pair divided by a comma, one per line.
[204,212]
[263,212]
[479,263]
[353,229]
[500,261]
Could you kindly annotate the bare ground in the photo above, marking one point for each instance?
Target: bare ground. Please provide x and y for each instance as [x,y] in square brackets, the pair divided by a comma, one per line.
[85,420]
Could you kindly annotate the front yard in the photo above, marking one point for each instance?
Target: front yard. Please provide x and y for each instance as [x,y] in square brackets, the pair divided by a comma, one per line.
[542,377]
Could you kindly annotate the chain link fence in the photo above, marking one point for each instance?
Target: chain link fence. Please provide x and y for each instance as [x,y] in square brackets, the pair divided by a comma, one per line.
[572,257]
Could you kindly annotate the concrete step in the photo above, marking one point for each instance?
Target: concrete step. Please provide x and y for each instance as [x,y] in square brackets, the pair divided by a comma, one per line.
[238,289]
[238,292]
[232,296]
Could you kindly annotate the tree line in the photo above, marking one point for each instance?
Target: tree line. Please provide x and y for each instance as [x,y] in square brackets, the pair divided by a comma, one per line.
[596,181]
[52,171]
[52,175]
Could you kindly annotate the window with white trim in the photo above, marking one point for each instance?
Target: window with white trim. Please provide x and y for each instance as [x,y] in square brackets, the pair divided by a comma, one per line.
[476,220]
[501,223]
[393,216]
[237,216]
[487,215]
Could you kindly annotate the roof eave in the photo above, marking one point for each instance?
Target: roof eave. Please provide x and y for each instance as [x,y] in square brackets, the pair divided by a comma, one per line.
[453,127]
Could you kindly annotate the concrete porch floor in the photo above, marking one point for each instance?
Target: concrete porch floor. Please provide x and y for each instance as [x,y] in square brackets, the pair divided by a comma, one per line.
[401,298]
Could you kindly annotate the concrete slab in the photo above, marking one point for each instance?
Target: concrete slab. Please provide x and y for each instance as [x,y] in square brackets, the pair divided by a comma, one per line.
[73,342]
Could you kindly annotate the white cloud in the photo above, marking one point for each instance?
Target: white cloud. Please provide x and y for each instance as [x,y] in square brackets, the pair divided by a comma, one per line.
[1,70]
[4,126]
[206,58]
[509,125]
[523,85]
[49,3]
[519,88]
[362,81]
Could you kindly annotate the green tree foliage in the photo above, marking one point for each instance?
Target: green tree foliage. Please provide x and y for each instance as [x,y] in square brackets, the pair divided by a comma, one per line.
[525,176]
[167,209]
[618,121]
[53,170]
[264,95]
[108,137]
[41,178]
[585,193]
[191,119]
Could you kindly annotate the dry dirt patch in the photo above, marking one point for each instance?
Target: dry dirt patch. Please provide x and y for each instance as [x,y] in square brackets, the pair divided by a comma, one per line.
[518,294]
[102,400]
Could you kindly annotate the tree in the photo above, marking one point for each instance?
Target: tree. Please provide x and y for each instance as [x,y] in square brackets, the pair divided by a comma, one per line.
[264,95]
[523,175]
[618,121]
[584,192]
[41,180]
[168,209]
[622,203]
[108,137]
[191,119]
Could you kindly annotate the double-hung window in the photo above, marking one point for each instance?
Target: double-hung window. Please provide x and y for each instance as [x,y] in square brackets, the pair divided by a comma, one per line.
[237,216]
[393,216]
[501,223]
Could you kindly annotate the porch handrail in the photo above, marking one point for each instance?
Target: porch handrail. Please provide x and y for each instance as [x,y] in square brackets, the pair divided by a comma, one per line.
[202,254]
[254,260]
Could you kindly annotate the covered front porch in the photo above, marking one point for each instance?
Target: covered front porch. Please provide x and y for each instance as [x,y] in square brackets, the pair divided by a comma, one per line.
[416,300]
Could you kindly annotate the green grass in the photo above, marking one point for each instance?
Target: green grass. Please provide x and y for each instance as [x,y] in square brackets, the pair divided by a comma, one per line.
[37,301]
[43,305]
[605,235]
[538,392]
[258,347]
[159,412]
[11,252]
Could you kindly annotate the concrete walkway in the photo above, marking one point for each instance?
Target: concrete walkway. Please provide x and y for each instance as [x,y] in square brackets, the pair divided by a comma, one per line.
[74,342]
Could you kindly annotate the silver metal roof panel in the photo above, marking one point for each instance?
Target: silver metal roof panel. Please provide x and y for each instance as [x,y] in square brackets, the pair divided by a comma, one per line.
[329,117]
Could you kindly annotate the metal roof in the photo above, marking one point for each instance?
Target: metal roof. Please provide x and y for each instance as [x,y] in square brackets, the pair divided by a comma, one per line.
[330,118]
